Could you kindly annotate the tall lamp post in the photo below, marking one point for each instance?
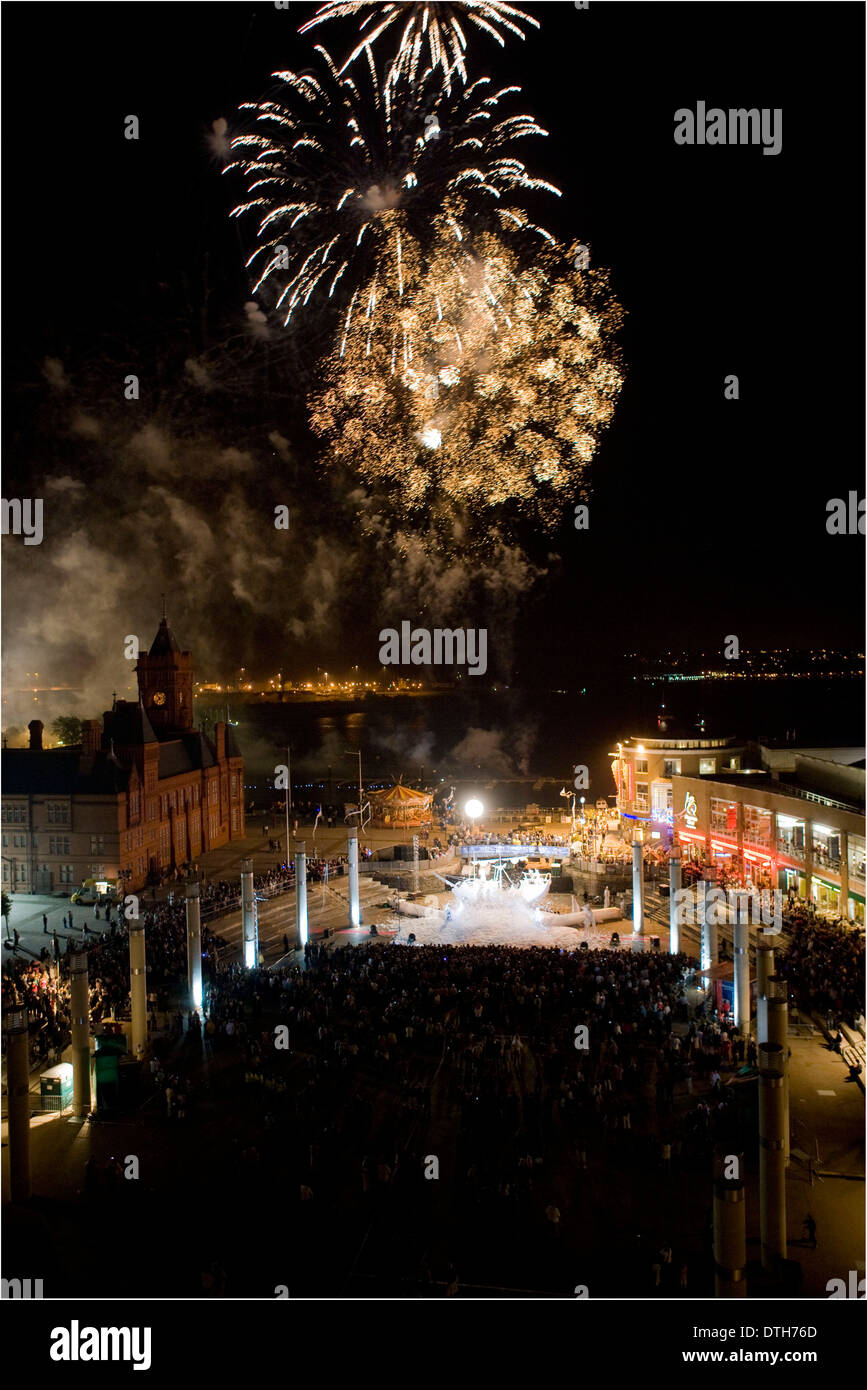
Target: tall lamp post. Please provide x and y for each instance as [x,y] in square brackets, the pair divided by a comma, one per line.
[288,797]
[356,753]
[13,863]
[571,795]
[474,809]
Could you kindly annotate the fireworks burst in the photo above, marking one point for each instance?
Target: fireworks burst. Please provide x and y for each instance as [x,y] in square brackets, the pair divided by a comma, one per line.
[432,33]
[499,407]
[351,184]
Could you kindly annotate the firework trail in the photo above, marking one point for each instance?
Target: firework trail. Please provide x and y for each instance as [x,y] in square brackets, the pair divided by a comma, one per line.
[350,184]
[474,365]
[432,34]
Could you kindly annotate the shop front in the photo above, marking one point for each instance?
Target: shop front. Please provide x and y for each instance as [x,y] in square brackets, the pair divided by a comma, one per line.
[825,895]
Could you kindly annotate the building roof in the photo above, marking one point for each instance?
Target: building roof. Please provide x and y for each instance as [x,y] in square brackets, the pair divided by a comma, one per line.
[127,724]
[201,748]
[232,749]
[174,759]
[61,772]
[681,738]
[787,784]
[165,643]
[188,753]
[399,795]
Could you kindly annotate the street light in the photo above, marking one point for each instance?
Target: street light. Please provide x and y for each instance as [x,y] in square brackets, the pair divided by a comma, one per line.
[356,753]
[474,808]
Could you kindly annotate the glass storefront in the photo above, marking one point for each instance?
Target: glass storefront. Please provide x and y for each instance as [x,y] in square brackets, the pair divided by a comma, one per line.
[825,896]
[826,847]
[757,826]
[723,817]
[856,857]
[791,839]
[792,881]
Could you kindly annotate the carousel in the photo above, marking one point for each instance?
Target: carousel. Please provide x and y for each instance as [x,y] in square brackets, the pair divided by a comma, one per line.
[399,806]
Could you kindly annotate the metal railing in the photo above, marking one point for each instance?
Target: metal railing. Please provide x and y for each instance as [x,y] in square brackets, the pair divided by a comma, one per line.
[793,851]
[788,790]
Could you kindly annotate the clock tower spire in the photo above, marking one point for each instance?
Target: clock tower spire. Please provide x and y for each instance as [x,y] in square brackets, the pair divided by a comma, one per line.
[165,683]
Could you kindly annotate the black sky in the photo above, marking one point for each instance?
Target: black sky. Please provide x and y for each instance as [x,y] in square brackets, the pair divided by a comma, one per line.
[708,516]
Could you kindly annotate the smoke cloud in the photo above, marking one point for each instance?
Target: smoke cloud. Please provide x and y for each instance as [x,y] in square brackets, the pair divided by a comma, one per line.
[145,500]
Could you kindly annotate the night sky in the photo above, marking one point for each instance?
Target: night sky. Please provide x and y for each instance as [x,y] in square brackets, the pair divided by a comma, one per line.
[708,516]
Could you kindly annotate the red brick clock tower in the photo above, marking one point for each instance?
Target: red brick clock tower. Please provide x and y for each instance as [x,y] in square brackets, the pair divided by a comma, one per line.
[165,683]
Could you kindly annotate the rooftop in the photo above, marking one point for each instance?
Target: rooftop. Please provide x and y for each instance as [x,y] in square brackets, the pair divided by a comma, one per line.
[762,780]
[61,772]
[165,643]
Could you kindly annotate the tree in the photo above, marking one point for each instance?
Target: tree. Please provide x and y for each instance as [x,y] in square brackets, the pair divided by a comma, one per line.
[67,728]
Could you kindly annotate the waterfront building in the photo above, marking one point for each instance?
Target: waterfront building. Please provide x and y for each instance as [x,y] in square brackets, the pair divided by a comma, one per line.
[781,817]
[143,794]
[644,770]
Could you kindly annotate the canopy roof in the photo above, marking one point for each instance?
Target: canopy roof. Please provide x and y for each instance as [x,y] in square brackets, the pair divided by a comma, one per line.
[399,795]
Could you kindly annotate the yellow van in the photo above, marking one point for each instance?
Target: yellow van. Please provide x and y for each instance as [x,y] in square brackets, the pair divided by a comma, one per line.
[95,890]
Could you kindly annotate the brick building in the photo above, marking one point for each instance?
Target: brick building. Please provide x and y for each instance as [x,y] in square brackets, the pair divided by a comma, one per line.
[141,796]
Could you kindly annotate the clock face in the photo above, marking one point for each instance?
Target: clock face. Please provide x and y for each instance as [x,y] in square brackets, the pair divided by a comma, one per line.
[159,698]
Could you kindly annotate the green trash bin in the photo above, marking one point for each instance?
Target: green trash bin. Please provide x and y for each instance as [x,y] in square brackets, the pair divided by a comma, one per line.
[55,1086]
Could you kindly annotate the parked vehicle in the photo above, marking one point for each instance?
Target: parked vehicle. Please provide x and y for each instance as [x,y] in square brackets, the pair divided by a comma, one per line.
[96,891]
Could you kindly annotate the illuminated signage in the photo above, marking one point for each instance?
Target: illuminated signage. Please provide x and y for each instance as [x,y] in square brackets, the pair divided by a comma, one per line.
[690,811]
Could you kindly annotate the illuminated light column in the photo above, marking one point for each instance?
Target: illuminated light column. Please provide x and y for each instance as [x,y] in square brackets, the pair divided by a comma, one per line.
[673,890]
[772,1158]
[706,912]
[593,873]
[415,882]
[637,886]
[17,1047]
[764,971]
[138,992]
[742,971]
[778,1032]
[354,897]
[194,945]
[248,916]
[729,1226]
[301,935]
[79,1007]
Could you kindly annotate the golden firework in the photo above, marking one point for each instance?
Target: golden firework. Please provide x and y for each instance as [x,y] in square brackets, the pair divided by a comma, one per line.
[483,387]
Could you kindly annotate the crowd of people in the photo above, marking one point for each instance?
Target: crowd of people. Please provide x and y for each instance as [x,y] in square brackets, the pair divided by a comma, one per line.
[43,985]
[534,1077]
[478,835]
[824,964]
[386,1047]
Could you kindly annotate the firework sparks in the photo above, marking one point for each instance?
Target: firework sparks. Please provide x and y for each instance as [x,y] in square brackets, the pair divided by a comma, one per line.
[350,184]
[432,34]
[513,378]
